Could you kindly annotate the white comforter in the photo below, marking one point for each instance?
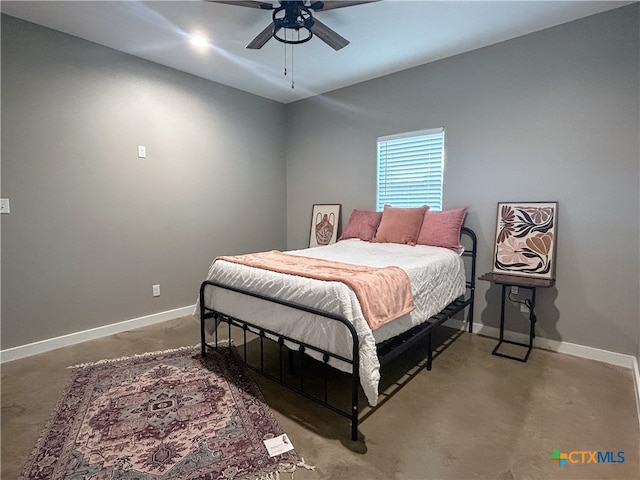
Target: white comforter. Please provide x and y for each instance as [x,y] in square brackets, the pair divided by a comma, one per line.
[437,278]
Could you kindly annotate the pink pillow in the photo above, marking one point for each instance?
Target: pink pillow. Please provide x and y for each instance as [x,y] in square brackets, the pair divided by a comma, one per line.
[400,225]
[362,224]
[442,229]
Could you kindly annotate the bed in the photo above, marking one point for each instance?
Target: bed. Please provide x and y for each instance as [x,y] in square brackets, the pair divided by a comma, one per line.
[324,319]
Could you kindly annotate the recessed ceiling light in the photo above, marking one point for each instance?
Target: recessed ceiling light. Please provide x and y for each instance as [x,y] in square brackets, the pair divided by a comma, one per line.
[199,41]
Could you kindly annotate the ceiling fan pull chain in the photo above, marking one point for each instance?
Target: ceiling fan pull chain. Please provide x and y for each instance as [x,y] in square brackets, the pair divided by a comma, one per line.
[285,62]
[292,68]
[285,59]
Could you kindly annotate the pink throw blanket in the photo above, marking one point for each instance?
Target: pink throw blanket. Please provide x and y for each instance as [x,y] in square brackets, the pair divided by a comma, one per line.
[384,293]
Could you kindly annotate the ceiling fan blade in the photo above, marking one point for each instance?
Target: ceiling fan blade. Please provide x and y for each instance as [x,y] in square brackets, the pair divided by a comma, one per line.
[321,6]
[262,38]
[246,3]
[328,36]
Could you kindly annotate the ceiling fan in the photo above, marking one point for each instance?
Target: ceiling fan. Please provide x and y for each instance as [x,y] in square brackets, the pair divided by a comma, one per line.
[293,21]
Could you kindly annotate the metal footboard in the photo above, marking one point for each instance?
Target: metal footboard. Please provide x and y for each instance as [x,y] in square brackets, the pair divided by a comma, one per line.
[300,346]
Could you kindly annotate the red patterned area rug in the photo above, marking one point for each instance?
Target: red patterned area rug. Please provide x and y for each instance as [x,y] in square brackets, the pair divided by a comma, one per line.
[163,415]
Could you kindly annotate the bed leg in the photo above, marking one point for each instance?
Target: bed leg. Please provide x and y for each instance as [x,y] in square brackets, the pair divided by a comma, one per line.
[355,386]
[354,429]
[429,352]
[354,410]
[203,347]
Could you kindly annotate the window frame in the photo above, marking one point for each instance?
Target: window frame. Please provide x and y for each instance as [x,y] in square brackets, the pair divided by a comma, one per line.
[382,170]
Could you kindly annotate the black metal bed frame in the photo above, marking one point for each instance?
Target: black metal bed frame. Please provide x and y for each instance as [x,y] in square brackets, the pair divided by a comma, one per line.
[386,350]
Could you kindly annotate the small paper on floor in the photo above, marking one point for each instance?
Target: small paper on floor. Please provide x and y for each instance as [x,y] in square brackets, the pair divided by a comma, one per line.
[278,445]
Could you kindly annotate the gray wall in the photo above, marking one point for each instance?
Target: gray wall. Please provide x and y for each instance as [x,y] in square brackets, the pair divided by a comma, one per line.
[549,116]
[92,226]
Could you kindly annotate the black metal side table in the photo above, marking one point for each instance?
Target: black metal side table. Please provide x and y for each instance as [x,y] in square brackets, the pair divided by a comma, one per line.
[508,281]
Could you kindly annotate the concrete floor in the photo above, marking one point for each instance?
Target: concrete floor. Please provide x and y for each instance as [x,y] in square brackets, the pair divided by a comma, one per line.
[474,416]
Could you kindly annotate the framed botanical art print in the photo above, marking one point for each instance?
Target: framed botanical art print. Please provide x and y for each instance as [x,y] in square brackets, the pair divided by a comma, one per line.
[526,239]
[325,222]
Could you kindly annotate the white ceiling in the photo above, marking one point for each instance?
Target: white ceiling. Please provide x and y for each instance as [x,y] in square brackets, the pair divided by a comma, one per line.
[385,36]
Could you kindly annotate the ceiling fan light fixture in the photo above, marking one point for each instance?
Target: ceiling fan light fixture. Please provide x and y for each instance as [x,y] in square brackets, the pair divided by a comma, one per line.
[303,35]
[292,25]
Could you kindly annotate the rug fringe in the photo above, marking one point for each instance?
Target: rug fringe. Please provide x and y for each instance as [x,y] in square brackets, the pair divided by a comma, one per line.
[287,468]
[303,464]
[137,355]
[269,476]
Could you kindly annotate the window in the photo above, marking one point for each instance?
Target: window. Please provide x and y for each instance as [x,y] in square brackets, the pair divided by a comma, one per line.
[410,169]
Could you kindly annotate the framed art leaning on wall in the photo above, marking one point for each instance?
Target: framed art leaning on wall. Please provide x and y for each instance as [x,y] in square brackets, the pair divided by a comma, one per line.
[325,222]
[526,239]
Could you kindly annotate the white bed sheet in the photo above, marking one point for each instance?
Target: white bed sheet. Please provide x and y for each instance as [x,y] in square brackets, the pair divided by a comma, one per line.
[437,278]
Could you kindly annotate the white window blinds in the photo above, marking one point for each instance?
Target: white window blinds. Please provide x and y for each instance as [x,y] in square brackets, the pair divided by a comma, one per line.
[410,169]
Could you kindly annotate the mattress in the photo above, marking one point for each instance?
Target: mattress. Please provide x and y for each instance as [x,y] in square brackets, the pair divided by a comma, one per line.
[436,274]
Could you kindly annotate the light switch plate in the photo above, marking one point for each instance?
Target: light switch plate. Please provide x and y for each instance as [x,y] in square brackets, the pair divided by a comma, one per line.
[4,205]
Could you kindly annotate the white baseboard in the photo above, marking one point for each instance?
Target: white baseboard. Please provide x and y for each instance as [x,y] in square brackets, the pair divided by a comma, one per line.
[636,382]
[42,346]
